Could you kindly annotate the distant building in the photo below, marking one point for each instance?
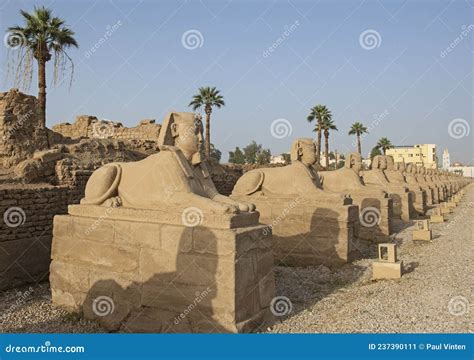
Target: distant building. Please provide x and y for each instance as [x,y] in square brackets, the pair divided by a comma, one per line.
[419,154]
[279,159]
[446,159]
[458,168]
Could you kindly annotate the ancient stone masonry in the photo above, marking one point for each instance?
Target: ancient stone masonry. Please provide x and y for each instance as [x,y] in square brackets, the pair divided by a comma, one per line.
[87,126]
[153,240]
[21,131]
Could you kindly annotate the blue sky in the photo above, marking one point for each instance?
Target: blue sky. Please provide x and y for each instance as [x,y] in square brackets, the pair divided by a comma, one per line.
[403,86]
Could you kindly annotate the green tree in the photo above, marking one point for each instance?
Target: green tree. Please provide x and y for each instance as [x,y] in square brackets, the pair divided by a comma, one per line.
[358,129]
[236,156]
[215,153]
[251,151]
[286,158]
[384,144]
[42,37]
[264,157]
[326,125]
[207,98]
[319,113]
[375,151]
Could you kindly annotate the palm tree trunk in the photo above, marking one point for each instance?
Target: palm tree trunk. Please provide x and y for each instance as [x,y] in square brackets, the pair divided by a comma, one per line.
[318,145]
[326,148]
[42,89]
[359,148]
[208,132]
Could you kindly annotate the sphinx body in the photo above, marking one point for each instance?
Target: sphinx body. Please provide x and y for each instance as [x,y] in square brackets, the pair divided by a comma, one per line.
[175,176]
[310,226]
[402,197]
[395,174]
[375,206]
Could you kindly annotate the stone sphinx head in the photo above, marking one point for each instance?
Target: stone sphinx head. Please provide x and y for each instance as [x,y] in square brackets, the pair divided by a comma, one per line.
[304,150]
[400,166]
[354,162]
[390,162]
[379,162]
[421,170]
[183,130]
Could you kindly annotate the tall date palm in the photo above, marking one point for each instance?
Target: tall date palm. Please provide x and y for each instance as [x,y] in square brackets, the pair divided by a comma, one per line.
[42,37]
[319,113]
[327,125]
[358,129]
[207,98]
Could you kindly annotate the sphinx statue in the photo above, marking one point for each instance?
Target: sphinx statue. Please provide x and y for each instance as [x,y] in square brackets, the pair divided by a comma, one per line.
[310,226]
[175,175]
[395,174]
[422,179]
[155,234]
[403,207]
[414,180]
[372,203]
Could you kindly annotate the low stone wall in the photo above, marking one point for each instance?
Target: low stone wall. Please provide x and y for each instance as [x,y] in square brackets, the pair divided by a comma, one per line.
[26,229]
[87,126]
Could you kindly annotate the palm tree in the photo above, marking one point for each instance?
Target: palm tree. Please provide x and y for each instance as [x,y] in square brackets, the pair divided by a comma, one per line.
[326,125]
[42,37]
[319,113]
[384,144]
[358,129]
[207,98]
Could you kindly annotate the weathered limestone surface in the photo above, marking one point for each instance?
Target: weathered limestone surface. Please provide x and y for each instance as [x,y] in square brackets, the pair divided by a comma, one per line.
[87,126]
[376,208]
[403,199]
[161,277]
[310,226]
[21,131]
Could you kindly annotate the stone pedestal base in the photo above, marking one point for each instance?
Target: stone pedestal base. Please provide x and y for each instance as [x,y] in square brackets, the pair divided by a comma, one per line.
[309,232]
[133,272]
[445,210]
[451,204]
[423,235]
[375,217]
[386,270]
[437,218]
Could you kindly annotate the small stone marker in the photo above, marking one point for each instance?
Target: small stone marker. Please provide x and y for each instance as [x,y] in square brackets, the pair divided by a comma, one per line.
[451,203]
[436,216]
[387,266]
[422,231]
[445,209]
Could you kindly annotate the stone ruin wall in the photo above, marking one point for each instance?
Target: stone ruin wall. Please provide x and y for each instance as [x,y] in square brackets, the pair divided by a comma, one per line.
[21,131]
[26,229]
[87,126]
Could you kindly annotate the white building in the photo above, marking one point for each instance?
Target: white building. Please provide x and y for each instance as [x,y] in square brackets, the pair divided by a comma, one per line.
[446,159]
[278,159]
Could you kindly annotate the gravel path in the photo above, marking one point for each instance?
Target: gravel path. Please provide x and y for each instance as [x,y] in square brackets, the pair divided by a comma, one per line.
[434,295]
